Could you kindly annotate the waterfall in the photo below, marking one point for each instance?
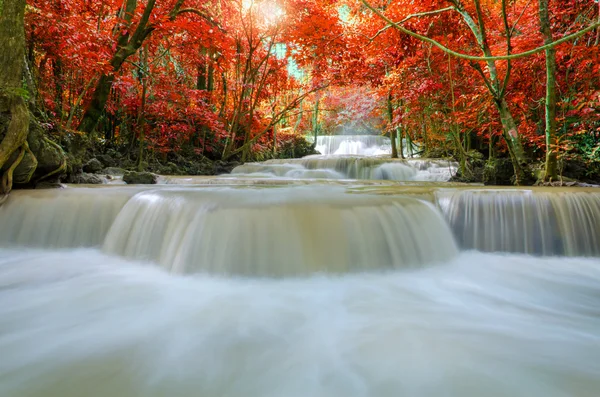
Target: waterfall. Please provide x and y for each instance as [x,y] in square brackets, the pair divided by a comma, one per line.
[312,230]
[61,219]
[274,288]
[364,145]
[530,221]
[211,229]
[207,228]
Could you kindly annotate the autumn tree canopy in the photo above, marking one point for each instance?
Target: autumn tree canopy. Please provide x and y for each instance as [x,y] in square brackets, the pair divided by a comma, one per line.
[246,79]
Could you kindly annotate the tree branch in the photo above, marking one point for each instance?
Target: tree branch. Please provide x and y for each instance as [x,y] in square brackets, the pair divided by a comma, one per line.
[411,16]
[474,57]
[508,31]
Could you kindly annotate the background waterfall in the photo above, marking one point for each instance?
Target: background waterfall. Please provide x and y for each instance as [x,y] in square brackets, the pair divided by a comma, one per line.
[351,167]
[364,145]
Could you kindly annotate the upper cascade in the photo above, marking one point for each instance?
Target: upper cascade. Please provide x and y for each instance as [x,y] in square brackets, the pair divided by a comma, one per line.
[364,145]
[352,167]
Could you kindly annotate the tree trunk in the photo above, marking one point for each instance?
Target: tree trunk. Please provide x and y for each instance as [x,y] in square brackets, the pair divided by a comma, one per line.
[201,79]
[12,103]
[513,142]
[315,119]
[551,171]
[390,110]
[142,114]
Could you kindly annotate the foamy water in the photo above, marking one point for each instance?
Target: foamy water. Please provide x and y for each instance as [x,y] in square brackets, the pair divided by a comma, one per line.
[80,323]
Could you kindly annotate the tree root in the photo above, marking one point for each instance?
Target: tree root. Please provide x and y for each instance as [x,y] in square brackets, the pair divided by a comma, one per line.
[7,177]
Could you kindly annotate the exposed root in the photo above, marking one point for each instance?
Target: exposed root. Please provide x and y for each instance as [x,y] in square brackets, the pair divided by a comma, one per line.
[33,159]
[17,131]
[7,177]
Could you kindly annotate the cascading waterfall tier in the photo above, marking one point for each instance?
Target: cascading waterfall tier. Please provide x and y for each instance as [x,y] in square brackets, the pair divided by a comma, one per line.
[543,222]
[352,167]
[278,233]
[181,228]
[61,218]
[234,230]
[366,145]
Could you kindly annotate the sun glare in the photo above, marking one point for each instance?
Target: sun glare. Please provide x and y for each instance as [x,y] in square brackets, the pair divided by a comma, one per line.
[269,11]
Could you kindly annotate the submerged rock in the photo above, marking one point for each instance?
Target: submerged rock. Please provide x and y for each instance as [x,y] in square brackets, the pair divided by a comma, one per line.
[140,178]
[50,185]
[93,166]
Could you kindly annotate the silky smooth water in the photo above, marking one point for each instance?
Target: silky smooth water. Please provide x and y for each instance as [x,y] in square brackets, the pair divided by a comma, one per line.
[351,167]
[365,145]
[276,289]
[80,323]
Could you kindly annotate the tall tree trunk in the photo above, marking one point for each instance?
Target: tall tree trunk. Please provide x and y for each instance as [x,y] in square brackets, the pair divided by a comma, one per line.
[210,77]
[142,114]
[201,79]
[551,171]
[58,87]
[12,57]
[390,111]
[513,142]
[315,119]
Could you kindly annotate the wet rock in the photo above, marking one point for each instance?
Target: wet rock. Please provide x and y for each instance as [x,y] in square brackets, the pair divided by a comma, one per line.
[93,166]
[86,179]
[140,178]
[49,155]
[498,171]
[224,167]
[114,171]
[106,160]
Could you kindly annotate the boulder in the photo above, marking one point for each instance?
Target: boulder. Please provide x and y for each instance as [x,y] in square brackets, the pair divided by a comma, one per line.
[224,167]
[140,178]
[93,166]
[114,171]
[86,179]
[48,158]
[106,160]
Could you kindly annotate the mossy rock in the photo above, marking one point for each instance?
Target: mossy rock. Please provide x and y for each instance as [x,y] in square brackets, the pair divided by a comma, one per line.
[140,178]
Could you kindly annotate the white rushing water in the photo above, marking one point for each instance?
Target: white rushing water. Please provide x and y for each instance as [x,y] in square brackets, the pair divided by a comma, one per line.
[351,167]
[542,222]
[283,291]
[317,229]
[80,323]
[364,145]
